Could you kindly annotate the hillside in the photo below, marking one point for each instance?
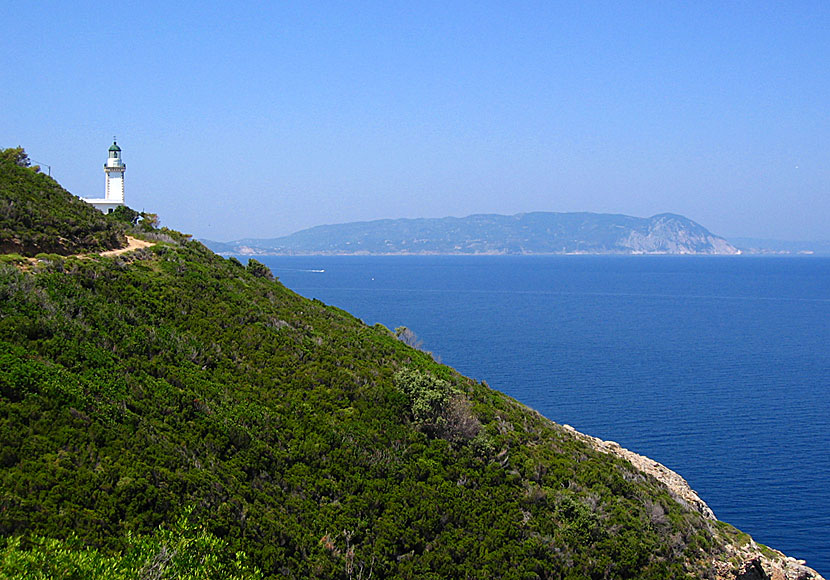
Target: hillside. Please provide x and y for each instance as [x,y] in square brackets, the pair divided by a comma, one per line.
[164,410]
[526,233]
[38,216]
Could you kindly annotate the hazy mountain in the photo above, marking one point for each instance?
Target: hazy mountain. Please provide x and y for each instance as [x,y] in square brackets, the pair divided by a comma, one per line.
[525,233]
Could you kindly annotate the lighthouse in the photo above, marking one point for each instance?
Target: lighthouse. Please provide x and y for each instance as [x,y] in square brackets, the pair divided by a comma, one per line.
[114,170]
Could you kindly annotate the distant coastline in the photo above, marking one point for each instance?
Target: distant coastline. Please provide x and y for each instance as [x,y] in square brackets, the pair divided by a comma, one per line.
[782,247]
[254,252]
[537,233]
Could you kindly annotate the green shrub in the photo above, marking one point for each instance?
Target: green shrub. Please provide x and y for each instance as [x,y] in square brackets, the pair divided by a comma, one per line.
[182,551]
[428,396]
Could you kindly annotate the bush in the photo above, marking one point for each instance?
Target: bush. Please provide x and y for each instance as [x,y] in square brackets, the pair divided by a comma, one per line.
[183,551]
[437,408]
[428,396]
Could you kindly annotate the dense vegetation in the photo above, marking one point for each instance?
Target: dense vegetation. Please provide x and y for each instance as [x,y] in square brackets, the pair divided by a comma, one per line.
[38,216]
[170,389]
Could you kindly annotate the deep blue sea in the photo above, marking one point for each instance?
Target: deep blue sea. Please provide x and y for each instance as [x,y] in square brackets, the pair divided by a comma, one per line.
[717,367]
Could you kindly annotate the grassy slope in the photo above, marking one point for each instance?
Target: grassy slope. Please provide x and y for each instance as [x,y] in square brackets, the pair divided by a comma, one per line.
[132,388]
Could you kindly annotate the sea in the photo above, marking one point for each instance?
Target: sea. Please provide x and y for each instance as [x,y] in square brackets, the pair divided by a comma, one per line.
[717,367]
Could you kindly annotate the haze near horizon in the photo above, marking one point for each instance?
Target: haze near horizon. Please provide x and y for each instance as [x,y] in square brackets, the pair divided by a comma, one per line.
[259,121]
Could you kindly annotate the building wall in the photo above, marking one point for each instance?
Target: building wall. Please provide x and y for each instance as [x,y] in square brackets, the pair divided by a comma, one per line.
[115,186]
[104,205]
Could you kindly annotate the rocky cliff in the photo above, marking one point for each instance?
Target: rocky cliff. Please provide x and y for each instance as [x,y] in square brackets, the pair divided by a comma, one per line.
[755,561]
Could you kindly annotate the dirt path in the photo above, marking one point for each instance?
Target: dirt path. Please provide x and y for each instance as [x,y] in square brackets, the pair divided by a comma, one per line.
[132,244]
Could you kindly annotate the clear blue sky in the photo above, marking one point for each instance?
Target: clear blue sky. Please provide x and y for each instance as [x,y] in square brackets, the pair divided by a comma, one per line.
[260,119]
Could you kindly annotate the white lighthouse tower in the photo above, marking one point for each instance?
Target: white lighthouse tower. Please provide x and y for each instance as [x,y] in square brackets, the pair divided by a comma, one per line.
[114,169]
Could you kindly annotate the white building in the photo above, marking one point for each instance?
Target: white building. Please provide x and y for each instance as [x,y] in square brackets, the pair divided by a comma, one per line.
[114,169]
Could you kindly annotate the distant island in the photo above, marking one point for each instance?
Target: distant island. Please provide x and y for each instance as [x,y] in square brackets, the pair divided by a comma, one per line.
[524,233]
